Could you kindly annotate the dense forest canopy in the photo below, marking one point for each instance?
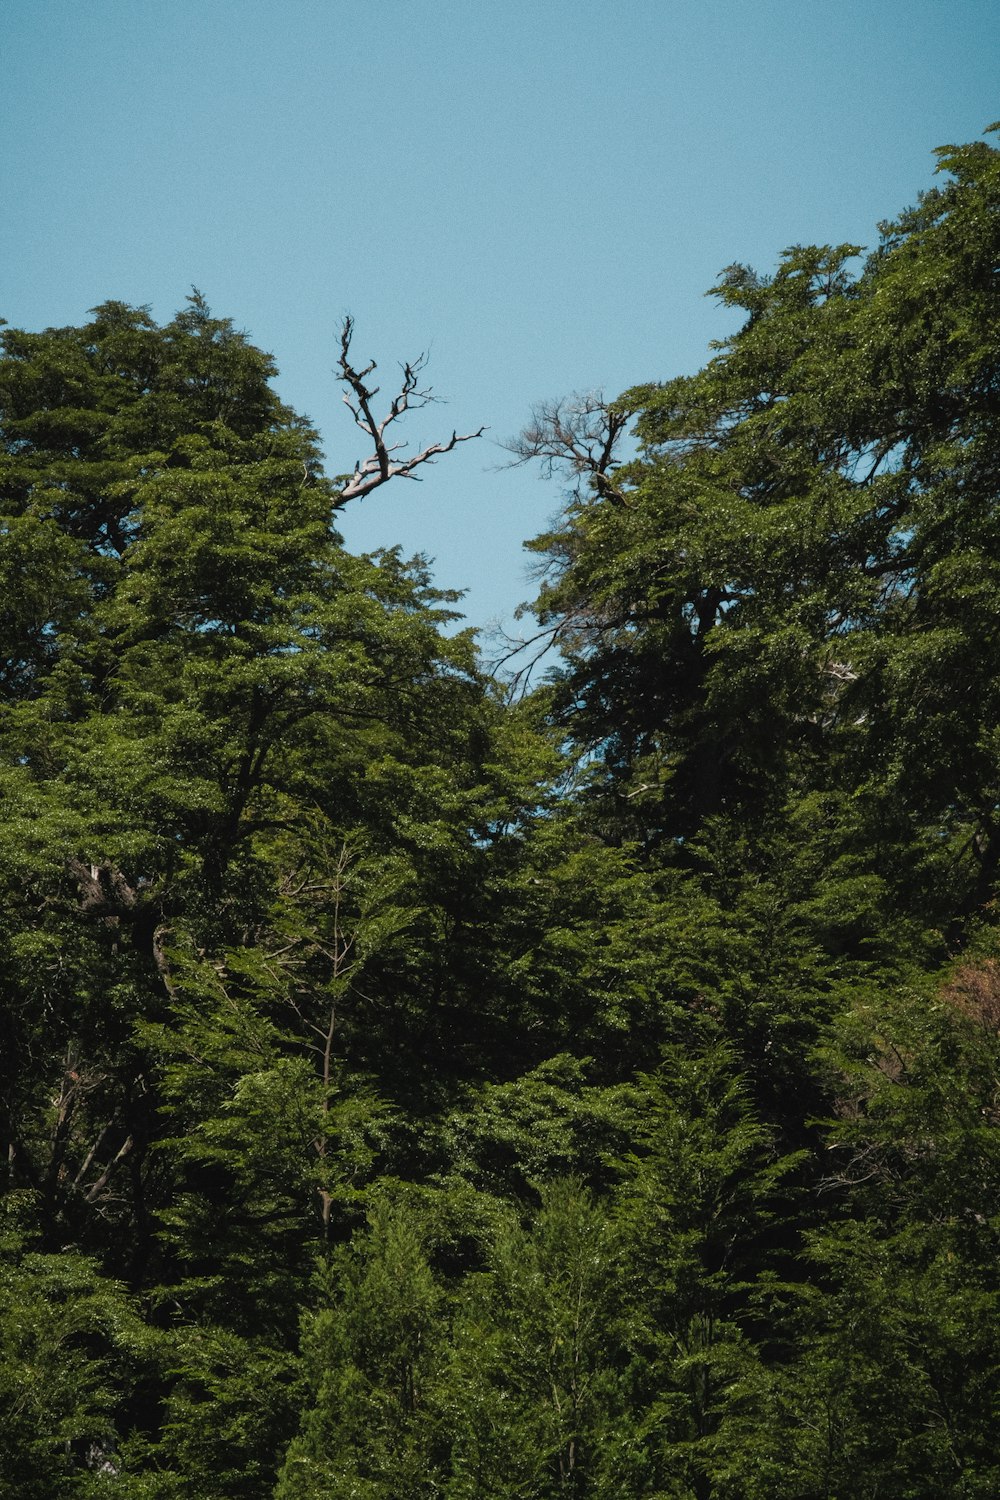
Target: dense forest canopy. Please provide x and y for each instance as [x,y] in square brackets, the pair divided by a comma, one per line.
[416,1088]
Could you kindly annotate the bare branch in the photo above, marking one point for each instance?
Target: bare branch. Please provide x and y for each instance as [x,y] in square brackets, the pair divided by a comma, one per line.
[380,466]
[531,650]
[579,435]
[98,1186]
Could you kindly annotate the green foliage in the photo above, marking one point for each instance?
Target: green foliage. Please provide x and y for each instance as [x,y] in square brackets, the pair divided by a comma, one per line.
[371,1360]
[708,1226]
[532,1383]
[73,1356]
[406,1091]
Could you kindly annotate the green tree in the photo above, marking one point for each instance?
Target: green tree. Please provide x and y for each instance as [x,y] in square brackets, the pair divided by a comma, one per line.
[76,1363]
[245,772]
[891,1383]
[531,1389]
[789,586]
[708,1232]
[371,1355]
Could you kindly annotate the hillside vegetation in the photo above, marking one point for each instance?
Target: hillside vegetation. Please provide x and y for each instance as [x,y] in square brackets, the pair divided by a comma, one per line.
[416,1088]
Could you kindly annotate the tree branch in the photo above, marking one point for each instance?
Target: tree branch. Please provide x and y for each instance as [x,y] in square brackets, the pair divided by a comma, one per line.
[380,466]
[579,435]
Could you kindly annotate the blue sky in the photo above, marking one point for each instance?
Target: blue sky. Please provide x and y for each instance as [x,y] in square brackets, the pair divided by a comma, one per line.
[537,194]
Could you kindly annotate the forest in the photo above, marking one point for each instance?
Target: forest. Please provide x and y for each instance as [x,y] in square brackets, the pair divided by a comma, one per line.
[422,1081]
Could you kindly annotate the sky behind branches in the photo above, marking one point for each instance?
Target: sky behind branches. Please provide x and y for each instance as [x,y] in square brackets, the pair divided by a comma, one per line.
[536,194]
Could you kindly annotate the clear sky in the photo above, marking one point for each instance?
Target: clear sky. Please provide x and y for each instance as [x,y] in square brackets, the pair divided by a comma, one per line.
[537,193]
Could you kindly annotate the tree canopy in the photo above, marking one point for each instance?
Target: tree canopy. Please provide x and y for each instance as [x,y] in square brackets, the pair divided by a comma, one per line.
[413,1087]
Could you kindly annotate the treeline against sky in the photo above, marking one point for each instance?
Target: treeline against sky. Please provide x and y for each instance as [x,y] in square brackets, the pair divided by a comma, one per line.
[415,1086]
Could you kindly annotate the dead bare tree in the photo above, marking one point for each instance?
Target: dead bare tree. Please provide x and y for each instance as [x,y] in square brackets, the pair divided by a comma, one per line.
[381,466]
